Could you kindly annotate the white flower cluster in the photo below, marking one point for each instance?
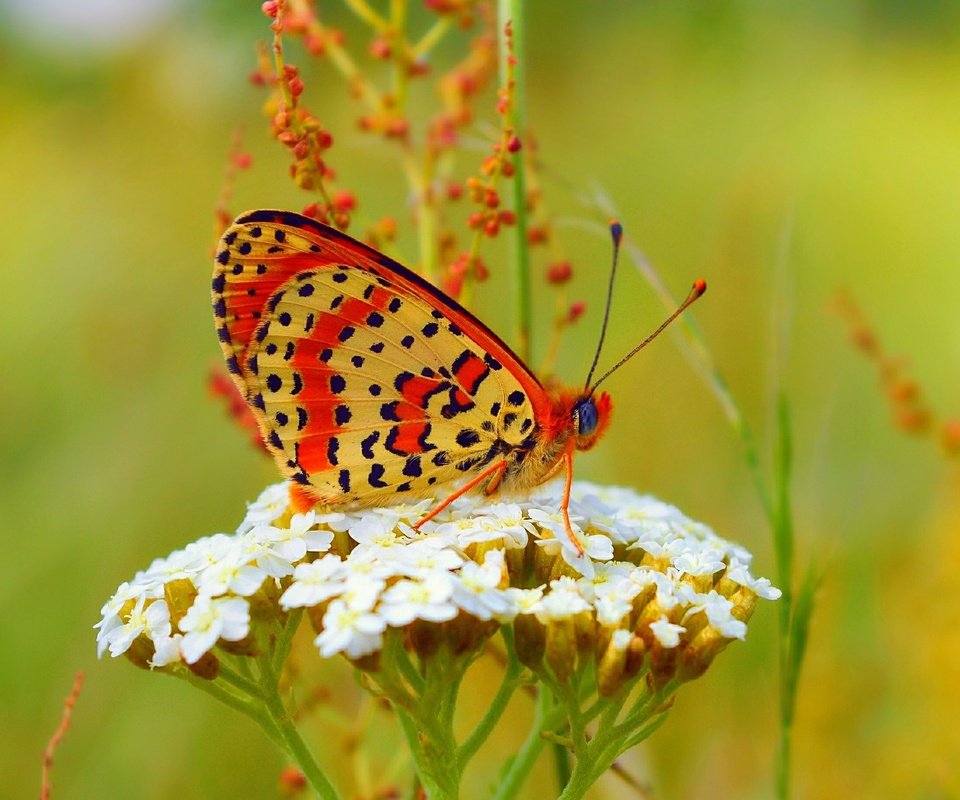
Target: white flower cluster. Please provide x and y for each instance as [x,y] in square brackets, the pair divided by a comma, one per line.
[369,569]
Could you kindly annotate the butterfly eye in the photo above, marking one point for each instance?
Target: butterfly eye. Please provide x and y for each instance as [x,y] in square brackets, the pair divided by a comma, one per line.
[586,417]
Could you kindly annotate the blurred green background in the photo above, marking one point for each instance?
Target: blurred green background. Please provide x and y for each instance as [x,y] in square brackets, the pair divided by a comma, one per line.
[741,141]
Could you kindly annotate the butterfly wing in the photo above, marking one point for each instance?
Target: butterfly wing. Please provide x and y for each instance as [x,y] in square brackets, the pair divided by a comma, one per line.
[365,379]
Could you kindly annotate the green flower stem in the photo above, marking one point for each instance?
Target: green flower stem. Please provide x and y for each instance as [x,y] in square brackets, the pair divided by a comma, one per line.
[432,745]
[407,669]
[285,638]
[251,707]
[511,680]
[512,10]
[292,742]
[547,717]
[237,681]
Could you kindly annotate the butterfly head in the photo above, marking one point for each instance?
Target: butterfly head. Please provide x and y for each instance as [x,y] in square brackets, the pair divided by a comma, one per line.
[589,418]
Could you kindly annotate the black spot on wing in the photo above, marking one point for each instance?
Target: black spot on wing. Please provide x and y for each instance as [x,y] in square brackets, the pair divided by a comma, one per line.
[333,444]
[376,474]
[366,446]
[467,438]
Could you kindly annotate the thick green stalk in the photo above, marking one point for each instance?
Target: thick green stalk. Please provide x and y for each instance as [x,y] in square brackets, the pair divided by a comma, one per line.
[512,11]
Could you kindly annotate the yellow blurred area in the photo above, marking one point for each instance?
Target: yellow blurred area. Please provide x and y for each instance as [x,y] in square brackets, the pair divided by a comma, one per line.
[781,151]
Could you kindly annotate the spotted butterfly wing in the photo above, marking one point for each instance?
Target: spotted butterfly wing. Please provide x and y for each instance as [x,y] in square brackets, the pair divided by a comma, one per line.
[366,381]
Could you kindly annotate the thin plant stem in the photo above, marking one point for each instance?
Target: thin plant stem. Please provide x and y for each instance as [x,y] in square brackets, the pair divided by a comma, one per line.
[509,684]
[293,743]
[513,11]
[546,717]
[285,638]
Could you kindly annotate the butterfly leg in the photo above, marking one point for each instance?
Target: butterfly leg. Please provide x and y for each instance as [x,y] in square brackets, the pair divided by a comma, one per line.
[567,461]
[494,472]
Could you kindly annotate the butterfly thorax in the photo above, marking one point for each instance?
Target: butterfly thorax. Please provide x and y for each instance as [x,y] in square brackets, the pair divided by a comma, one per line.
[573,416]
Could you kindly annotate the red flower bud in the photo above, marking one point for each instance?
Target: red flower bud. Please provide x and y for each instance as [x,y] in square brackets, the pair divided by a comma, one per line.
[292,781]
[576,311]
[270,8]
[380,48]
[536,235]
[559,272]
[296,87]
[513,144]
[315,45]
[344,201]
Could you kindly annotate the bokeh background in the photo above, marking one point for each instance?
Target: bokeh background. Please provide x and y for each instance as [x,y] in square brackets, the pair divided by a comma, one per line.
[781,150]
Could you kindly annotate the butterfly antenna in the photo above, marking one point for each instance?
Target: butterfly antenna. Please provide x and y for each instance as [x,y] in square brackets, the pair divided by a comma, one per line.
[616,231]
[699,287]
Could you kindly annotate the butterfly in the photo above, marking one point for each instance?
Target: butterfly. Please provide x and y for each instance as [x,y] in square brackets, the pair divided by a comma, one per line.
[367,382]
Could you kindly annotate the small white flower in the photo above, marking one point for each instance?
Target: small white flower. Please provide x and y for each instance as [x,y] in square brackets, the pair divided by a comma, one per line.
[597,546]
[421,558]
[111,619]
[349,630]
[153,620]
[495,522]
[666,632]
[272,504]
[361,592]
[612,609]
[666,590]
[231,574]
[610,577]
[314,582]
[375,531]
[738,573]
[477,591]
[718,608]
[404,512]
[604,517]
[562,601]
[210,619]
[524,601]
[255,547]
[700,561]
[621,638]
[427,599]
[167,650]
[293,542]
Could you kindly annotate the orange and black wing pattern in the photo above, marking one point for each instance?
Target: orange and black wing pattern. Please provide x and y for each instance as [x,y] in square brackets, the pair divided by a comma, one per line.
[366,381]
